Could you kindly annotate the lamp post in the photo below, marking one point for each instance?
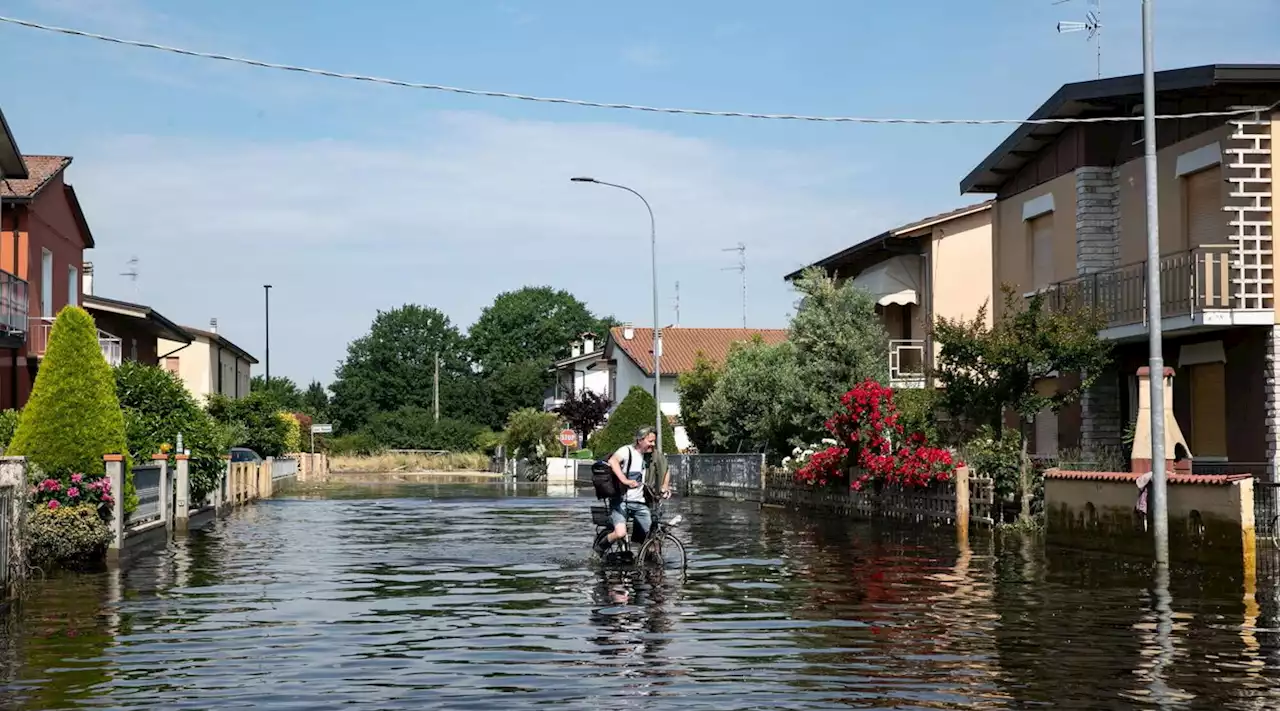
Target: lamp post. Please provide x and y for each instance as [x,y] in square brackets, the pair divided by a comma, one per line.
[657,327]
[266,289]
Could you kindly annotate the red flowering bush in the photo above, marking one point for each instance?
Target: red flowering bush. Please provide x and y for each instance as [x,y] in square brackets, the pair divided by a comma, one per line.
[866,430]
[74,490]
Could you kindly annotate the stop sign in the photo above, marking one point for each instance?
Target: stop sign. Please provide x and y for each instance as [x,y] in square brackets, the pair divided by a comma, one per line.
[568,438]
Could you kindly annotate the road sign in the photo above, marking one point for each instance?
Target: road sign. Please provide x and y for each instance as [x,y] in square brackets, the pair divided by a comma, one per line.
[321,429]
[568,438]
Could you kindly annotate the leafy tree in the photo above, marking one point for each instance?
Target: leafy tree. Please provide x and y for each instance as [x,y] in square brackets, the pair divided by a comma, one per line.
[636,410]
[254,420]
[393,366]
[536,323]
[584,412]
[292,432]
[315,402]
[73,417]
[532,434]
[416,428]
[695,388]
[983,371]
[282,390]
[756,400]
[839,342]
[513,386]
[157,408]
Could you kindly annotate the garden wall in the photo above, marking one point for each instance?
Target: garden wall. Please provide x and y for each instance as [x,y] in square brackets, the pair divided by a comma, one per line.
[13,507]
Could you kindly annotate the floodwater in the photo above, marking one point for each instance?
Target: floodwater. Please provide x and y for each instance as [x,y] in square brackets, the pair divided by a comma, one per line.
[483,598]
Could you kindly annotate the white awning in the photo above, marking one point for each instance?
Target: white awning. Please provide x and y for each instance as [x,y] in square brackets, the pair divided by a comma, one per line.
[893,281]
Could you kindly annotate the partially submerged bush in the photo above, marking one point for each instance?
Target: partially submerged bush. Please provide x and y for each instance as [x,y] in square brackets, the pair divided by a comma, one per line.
[69,536]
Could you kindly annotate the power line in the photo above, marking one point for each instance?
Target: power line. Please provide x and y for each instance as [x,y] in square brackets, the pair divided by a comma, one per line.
[598,104]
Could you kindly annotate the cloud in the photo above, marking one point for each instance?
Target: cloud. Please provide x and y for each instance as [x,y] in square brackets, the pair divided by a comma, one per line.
[648,56]
[464,207]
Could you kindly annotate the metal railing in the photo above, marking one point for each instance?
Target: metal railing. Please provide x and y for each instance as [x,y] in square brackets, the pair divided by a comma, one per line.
[284,467]
[13,303]
[41,326]
[907,363]
[1266,512]
[6,534]
[1191,282]
[146,483]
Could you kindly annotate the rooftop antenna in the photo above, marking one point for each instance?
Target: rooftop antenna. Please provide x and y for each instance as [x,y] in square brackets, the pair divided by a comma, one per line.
[677,303]
[1092,24]
[741,268]
[132,274]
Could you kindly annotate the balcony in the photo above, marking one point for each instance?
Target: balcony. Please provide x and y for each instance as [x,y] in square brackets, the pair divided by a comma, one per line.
[906,363]
[1211,286]
[551,402]
[13,310]
[112,348]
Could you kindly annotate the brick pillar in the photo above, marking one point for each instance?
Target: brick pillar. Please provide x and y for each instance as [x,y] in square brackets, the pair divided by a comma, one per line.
[1097,250]
[182,493]
[115,475]
[1271,374]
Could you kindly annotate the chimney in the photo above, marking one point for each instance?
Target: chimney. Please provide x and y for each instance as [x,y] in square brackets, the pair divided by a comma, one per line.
[575,349]
[588,342]
[1177,453]
[628,332]
[213,325]
[86,272]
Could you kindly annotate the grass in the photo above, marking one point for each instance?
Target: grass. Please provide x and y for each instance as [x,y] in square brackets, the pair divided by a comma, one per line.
[380,463]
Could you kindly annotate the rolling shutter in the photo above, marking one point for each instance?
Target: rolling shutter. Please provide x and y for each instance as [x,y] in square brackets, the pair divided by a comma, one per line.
[1042,251]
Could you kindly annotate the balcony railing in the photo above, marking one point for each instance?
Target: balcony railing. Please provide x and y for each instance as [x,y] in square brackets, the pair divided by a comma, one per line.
[1205,279]
[112,347]
[906,363]
[13,304]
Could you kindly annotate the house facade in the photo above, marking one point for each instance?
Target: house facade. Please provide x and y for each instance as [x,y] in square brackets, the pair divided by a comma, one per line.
[208,364]
[629,357]
[937,266]
[139,329]
[584,370]
[43,235]
[1070,222]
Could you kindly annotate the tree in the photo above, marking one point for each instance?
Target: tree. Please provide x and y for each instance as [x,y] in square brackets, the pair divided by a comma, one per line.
[536,323]
[393,366]
[315,402]
[695,388]
[73,417]
[511,387]
[757,399]
[584,412]
[282,390]
[839,342]
[531,434]
[416,428]
[983,372]
[636,410]
[255,422]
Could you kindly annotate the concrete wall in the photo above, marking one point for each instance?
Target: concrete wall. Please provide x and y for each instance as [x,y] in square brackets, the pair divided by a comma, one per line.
[960,253]
[206,368]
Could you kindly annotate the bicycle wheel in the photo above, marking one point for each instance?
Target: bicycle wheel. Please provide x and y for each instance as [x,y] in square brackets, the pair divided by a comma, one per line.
[665,551]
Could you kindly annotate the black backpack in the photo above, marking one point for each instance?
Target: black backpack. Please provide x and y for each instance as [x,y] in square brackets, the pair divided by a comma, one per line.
[604,481]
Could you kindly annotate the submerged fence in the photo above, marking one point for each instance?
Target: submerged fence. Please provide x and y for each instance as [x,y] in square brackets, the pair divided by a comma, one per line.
[746,477]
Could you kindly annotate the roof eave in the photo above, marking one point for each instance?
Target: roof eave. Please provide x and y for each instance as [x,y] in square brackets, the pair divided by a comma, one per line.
[78,213]
[11,164]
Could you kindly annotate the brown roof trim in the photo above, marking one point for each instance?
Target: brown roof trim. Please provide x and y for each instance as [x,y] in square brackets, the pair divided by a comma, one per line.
[11,163]
[1129,477]
[868,245]
[168,329]
[222,341]
[1073,100]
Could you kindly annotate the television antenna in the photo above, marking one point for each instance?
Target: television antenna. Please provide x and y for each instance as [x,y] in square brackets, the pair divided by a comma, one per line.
[741,268]
[677,303]
[132,274]
[1092,24]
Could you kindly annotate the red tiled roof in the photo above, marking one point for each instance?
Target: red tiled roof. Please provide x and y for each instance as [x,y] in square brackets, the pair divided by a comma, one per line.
[1207,479]
[680,346]
[40,169]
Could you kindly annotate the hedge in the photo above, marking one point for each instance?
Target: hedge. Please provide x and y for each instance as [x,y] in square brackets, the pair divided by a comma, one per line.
[634,412]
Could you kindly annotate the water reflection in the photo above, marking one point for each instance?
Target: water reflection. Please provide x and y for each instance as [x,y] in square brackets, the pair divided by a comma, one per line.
[467,597]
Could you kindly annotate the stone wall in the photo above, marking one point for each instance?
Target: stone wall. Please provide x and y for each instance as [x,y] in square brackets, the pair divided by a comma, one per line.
[13,485]
[1098,249]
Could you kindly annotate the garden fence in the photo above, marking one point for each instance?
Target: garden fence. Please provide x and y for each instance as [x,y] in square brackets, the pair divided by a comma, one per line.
[146,482]
[284,467]
[7,534]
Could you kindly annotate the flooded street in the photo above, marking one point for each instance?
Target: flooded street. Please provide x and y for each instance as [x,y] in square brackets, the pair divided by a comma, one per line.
[471,598]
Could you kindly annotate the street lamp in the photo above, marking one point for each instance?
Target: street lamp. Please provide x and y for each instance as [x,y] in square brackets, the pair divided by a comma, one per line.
[266,288]
[657,327]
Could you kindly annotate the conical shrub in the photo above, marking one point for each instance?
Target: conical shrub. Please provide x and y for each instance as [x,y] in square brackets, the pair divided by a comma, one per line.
[73,417]
[634,412]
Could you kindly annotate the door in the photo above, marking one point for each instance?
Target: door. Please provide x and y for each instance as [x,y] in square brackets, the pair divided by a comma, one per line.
[1208,410]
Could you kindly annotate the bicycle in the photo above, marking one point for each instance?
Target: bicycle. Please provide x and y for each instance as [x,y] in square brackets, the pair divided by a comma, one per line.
[661,548]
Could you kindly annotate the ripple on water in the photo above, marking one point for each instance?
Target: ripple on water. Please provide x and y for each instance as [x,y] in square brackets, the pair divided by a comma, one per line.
[483,600]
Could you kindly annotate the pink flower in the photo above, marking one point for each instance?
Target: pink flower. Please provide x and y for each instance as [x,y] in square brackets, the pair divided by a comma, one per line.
[53,504]
[73,492]
[77,478]
[106,498]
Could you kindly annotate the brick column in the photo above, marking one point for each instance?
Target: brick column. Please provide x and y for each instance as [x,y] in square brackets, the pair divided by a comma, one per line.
[115,475]
[182,493]
[1098,249]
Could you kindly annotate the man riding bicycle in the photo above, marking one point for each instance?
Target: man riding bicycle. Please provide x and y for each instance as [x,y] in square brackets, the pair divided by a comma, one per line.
[630,464]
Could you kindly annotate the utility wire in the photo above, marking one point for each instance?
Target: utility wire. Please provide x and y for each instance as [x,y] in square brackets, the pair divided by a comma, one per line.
[604,105]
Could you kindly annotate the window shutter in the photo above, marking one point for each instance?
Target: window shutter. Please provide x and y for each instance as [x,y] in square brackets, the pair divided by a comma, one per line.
[1206,222]
[1042,251]
[1046,433]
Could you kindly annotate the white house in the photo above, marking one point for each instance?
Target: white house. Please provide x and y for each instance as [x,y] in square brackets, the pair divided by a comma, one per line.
[585,369]
[629,358]
[209,364]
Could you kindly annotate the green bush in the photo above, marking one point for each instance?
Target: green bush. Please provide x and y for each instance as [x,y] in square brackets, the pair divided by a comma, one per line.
[360,444]
[487,441]
[996,459]
[634,412]
[8,426]
[416,428]
[292,433]
[69,536]
[73,416]
[533,434]
[254,420]
[157,408]
[917,411]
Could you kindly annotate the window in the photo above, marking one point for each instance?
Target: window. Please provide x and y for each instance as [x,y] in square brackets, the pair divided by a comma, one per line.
[1046,433]
[1204,220]
[73,286]
[46,283]
[172,364]
[1041,230]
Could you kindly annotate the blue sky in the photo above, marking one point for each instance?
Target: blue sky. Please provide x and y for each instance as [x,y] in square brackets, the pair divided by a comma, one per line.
[351,198]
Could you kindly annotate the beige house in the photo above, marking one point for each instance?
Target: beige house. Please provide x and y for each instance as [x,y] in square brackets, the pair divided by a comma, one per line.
[937,266]
[1070,220]
[209,364]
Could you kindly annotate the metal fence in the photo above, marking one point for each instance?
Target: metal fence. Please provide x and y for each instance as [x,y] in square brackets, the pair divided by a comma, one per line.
[6,534]
[283,467]
[146,482]
[731,476]
[1265,509]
